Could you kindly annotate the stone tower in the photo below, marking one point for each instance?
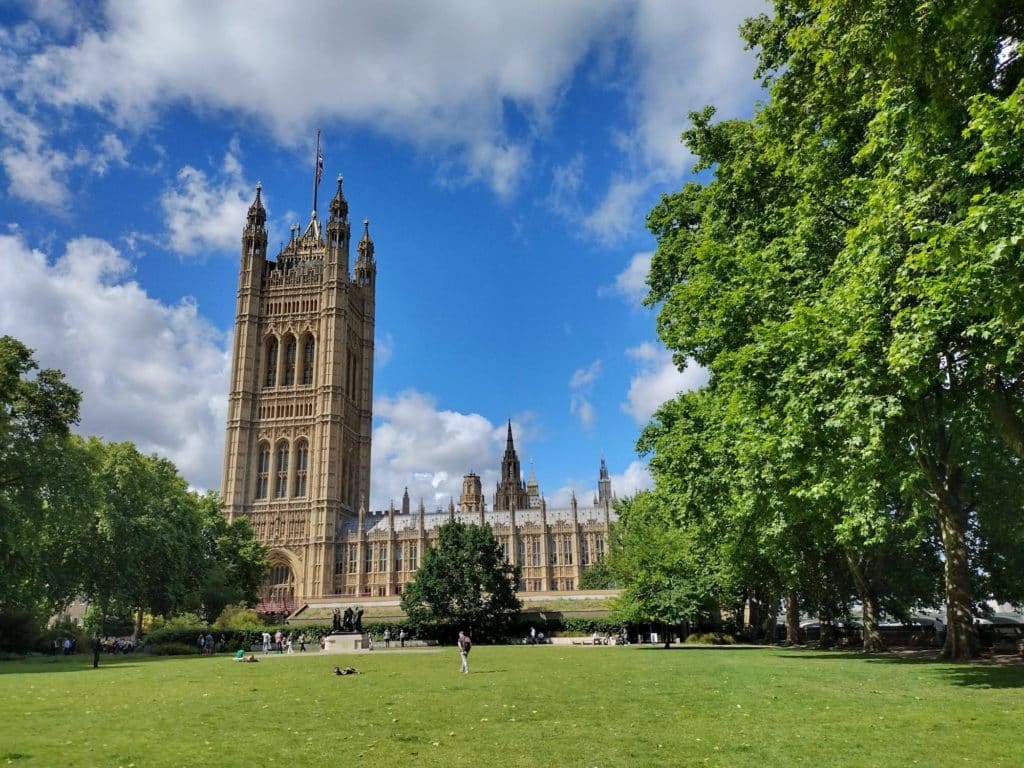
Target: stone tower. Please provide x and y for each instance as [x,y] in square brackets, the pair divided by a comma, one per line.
[511,490]
[604,486]
[297,450]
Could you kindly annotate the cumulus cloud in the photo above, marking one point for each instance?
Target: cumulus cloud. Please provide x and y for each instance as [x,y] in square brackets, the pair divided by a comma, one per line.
[631,283]
[151,373]
[657,380]
[581,384]
[440,74]
[204,214]
[427,449]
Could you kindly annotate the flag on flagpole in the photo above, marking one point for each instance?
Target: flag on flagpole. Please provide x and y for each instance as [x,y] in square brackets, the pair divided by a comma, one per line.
[319,164]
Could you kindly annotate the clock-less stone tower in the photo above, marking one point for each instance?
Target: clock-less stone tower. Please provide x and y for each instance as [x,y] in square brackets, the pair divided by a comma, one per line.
[297,451]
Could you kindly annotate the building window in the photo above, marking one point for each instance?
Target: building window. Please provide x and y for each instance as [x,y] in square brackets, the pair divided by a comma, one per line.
[368,559]
[271,378]
[554,585]
[537,585]
[308,351]
[521,555]
[584,551]
[553,550]
[301,467]
[535,551]
[598,548]
[567,550]
[504,551]
[567,585]
[290,351]
[412,557]
[339,559]
[398,557]
[263,472]
[382,558]
[353,558]
[281,485]
[522,585]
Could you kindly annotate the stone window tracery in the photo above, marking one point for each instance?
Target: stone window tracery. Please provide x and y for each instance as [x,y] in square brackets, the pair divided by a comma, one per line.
[308,355]
[301,467]
[290,351]
[281,484]
[270,379]
[263,472]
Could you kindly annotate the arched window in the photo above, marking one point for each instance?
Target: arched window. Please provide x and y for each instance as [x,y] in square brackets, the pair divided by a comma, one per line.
[308,353]
[301,467]
[290,350]
[281,485]
[271,378]
[263,472]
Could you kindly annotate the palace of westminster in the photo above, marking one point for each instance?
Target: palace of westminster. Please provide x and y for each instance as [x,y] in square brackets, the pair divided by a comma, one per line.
[297,449]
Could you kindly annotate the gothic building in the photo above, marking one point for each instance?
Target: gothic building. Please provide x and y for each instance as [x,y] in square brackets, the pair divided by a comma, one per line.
[297,449]
[297,452]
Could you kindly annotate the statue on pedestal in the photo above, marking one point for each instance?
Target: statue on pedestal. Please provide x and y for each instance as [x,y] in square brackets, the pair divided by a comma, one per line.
[357,620]
[336,622]
[347,621]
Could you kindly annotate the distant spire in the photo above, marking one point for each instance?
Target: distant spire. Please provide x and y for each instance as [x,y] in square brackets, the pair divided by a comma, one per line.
[257,213]
[339,205]
[508,439]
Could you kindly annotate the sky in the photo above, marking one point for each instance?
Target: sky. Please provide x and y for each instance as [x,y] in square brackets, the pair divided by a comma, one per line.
[505,154]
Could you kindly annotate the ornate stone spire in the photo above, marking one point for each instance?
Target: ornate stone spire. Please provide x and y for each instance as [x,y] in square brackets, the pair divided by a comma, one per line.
[257,217]
[339,205]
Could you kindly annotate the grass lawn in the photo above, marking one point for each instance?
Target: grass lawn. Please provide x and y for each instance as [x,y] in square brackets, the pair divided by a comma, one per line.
[520,706]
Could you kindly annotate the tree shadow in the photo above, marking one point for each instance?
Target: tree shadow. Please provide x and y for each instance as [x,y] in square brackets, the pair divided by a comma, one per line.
[37,665]
[995,672]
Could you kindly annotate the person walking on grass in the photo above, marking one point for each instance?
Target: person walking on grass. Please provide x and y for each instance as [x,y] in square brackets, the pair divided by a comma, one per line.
[465,644]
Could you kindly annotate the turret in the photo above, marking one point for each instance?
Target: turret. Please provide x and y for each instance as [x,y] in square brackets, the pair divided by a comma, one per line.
[338,231]
[254,236]
[405,501]
[366,267]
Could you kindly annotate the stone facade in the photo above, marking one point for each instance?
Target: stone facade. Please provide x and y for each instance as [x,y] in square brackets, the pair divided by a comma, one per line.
[297,449]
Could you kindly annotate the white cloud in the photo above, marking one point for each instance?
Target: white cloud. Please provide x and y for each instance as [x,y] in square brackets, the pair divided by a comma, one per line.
[440,74]
[150,373]
[617,214]
[201,214]
[657,381]
[631,283]
[428,450]
[383,348]
[581,384]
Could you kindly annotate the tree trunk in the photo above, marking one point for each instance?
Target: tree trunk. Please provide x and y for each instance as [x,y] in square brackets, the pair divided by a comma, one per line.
[869,600]
[1009,427]
[137,633]
[770,619]
[792,618]
[961,635]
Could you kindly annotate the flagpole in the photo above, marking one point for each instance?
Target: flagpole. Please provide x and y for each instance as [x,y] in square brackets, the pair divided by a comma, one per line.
[318,167]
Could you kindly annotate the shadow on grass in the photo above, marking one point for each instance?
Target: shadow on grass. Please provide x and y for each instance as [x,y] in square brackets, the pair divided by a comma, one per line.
[41,665]
[650,647]
[983,673]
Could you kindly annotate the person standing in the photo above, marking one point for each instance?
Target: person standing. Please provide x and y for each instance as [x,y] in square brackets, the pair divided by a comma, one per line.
[401,637]
[387,637]
[266,642]
[465,644]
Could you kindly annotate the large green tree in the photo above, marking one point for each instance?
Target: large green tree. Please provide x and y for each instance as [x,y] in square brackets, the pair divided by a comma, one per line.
[852,279]
[43,484]
[235,564]
[659,565]
[463,583]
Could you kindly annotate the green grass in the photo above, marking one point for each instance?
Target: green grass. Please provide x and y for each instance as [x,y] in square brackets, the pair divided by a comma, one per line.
[520,706]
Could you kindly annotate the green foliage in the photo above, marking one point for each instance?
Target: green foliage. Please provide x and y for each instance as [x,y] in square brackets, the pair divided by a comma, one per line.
[463,583]
[709,638]
[597,576]
[238,617]
[851,277]
[655,562]
[42,484]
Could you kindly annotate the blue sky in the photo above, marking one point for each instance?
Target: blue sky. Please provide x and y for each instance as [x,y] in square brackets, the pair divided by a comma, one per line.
[505,156]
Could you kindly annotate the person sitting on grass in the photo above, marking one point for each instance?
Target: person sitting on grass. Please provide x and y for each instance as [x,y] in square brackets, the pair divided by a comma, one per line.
[250,659]
[346,671]
[239,654]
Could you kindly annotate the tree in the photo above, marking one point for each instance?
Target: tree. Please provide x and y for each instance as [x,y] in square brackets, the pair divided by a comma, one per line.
[145,552]
[42,485]
[463,583]
[235,563]
[598,575]
[851,278]
[657,563]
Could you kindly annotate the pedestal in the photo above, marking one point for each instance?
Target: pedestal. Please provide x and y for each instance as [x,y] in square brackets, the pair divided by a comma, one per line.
[344,642]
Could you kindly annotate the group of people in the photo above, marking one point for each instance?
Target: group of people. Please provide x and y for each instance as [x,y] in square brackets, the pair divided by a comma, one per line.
[206,645]
[282,643]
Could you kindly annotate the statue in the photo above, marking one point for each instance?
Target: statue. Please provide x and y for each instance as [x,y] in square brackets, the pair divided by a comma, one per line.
[347,621]
[357,620]
[336,622]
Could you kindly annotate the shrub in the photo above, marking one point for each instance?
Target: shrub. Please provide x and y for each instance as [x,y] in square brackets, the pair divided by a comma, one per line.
[239,617]
[710,638]
[172,649]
